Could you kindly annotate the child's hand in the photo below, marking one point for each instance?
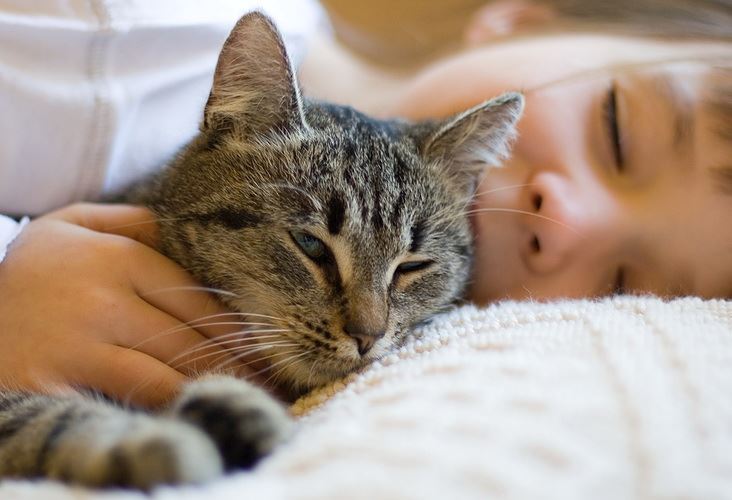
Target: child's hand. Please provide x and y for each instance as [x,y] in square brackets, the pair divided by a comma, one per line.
[83,295]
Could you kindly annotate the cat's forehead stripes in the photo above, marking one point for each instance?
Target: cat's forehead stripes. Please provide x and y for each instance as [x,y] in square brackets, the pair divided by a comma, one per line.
[377,220]
[375,182]
[231,217]
[417,234]
[336,213]
[344,259]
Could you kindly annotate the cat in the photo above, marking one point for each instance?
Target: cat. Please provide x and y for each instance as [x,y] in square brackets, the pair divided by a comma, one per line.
[344,231]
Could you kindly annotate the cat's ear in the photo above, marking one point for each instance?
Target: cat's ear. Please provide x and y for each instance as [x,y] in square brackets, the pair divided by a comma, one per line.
[254,89]
[481,136]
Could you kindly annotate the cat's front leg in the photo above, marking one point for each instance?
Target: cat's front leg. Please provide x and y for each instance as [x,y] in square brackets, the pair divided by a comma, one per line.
[243,420]
[80,440]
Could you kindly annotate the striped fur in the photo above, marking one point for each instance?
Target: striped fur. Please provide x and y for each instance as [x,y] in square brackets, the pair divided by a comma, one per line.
[376,194]
[95,443]
[381,206]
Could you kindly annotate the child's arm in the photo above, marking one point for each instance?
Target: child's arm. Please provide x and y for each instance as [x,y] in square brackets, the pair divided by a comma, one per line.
[83,295]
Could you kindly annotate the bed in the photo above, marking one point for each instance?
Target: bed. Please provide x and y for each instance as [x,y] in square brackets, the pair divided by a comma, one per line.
[623,398]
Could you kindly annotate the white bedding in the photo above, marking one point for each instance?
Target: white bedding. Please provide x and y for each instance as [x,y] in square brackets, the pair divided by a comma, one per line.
[627,398]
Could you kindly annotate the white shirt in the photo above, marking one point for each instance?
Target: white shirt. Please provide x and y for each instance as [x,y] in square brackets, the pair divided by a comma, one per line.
[97,93]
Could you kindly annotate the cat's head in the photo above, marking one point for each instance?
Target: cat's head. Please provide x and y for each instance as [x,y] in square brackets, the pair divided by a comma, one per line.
[341,230]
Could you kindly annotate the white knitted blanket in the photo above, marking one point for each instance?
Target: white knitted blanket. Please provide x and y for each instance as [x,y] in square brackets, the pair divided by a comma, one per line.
[627,398]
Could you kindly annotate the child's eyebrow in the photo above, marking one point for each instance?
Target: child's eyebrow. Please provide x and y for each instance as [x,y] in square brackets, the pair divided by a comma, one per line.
[718,101]
[681,109]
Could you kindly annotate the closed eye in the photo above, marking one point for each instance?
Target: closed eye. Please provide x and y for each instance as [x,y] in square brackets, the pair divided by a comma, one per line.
[413,266]
[610,113]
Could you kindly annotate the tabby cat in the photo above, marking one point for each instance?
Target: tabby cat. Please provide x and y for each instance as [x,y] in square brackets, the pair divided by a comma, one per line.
[351,230]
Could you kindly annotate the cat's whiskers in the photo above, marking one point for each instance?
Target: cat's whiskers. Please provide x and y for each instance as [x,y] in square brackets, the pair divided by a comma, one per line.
[126,401]
[261,347]
[216,291]
[247,337]
[246,334]
[154,219]
[257,315]
[238,336]
[238,357]
[186,326]
[448,213]
[503,188]
[213,343]
[216,361]
[521,212]
[194,323]
[291,361]
[310,373]
[529,293]
[239,353]
[252,348]
[211,316]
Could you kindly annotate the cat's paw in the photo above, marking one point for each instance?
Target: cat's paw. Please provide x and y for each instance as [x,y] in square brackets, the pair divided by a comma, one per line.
[243,420]
[148,453]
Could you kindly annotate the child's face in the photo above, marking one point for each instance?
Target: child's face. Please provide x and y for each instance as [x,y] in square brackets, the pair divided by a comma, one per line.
[564,218]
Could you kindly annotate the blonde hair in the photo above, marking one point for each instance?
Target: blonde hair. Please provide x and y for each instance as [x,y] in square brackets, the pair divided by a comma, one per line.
[694,19]
[403,31]
[685,19]
[719,101]
[399,32]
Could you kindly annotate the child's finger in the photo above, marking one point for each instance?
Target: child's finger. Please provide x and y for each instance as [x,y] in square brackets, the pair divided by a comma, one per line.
[166,286]
[126,375]
[158,280]
[157,334]
[133,222]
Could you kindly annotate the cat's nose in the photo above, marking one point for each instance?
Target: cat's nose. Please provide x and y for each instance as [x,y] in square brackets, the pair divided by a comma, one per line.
[365,339]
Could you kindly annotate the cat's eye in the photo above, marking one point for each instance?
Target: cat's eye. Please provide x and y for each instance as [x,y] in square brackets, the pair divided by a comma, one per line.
[311,246]
[610,113]
[413,266]
[619,287]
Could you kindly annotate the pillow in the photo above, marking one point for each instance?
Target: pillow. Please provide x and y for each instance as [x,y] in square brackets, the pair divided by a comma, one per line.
[624,398]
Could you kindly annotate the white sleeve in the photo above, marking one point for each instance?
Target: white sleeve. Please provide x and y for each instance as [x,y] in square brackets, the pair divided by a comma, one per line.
[95,95]
[9,230]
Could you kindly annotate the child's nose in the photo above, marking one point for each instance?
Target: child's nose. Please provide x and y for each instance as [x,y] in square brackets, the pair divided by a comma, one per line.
[566,218]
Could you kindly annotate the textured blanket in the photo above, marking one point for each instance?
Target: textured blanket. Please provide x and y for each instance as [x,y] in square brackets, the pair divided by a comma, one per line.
[627,398]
